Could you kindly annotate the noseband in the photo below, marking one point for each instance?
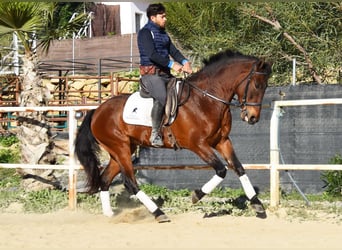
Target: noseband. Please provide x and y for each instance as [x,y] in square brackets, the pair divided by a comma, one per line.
[235,103]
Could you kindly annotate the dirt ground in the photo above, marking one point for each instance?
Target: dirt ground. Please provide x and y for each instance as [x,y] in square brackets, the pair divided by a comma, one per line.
[136,228]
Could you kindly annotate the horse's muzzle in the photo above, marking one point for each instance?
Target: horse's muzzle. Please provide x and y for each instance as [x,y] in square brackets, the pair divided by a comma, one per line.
[250,119]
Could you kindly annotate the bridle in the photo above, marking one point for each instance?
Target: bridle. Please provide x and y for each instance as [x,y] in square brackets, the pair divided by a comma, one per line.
[235,103]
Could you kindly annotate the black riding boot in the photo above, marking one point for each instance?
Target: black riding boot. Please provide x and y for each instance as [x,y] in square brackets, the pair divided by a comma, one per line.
[156,138]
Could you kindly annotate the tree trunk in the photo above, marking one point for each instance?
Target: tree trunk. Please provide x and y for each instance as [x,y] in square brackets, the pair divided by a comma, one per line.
[34,133]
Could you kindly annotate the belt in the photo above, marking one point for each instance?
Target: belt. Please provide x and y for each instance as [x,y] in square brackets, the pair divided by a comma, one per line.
[152,70]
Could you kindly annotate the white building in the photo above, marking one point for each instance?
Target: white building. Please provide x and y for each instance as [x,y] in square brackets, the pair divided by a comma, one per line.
[132,15]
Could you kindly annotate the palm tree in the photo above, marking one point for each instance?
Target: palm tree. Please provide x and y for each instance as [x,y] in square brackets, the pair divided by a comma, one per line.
[31,22]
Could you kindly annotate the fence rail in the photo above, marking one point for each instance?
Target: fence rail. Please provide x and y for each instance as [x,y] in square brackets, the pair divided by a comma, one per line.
[72,128]
[64,92]
[274,166]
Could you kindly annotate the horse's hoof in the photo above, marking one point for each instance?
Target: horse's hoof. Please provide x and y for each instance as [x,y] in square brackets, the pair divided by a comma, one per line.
[108,213]
[259,208]
[162,219]
[261,215]
[196,196]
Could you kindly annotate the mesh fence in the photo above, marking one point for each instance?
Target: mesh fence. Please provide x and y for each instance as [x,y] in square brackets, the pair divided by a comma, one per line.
[308,134]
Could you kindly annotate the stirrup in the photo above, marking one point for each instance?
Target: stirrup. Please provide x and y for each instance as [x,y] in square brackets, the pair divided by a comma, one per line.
[156,140]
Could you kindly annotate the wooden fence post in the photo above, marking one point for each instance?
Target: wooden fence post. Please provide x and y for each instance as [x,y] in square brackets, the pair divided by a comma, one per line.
[274,157]
[72,126]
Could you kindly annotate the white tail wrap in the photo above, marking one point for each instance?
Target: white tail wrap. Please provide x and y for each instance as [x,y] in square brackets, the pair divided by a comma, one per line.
[105,201]
[149,204]
[247,186]
[212,184]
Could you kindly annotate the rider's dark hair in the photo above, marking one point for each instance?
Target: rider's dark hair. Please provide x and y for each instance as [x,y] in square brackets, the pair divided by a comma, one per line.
[155,9]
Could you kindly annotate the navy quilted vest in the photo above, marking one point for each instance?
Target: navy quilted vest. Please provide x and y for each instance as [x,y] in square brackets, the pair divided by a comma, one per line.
[161,43]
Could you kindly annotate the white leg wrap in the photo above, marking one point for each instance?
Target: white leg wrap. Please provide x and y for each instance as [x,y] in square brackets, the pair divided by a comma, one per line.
[105,201]
[211,184]
[247,186]
[149,204]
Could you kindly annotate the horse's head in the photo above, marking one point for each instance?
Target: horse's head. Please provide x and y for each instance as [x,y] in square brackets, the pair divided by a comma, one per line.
[251,90]
[232,73]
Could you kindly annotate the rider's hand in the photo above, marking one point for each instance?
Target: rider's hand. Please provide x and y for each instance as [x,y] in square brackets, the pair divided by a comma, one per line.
[187,68]
[177,67]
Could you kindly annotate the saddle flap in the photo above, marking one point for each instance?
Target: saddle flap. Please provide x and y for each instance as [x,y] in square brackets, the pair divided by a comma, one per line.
[171,106]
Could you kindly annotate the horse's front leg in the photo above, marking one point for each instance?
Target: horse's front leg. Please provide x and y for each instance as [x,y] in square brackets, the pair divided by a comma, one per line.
[209,156]
[225,148]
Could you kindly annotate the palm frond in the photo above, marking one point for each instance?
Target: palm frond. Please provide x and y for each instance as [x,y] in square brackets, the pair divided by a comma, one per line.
[66,31]
[23,18]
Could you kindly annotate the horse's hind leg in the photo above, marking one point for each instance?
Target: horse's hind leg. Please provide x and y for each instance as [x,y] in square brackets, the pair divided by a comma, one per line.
[123,159]
[132,186]
[107,177]
[225,148]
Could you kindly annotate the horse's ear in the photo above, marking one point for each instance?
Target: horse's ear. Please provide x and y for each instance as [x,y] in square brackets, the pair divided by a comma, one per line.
[265,66]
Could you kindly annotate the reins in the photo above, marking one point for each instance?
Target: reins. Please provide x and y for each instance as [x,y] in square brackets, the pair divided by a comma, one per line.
[206,93]
[234,102]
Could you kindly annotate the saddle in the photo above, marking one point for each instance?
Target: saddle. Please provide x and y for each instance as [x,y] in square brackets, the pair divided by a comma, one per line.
[137,110]
[171,106]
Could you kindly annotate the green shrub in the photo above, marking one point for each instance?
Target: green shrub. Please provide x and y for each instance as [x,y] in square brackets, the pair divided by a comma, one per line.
[333,178]
[9,149]
[9,156]
[44,201]
[134,87]
[7,141]
[9,187]
[9,178]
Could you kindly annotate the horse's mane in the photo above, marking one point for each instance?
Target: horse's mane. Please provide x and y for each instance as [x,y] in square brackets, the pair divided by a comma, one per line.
[225,57]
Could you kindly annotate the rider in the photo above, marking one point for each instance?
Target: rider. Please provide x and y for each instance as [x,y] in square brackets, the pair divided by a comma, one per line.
[155,48]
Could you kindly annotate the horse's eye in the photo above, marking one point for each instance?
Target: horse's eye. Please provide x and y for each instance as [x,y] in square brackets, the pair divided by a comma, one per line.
[260,84]
[257,85]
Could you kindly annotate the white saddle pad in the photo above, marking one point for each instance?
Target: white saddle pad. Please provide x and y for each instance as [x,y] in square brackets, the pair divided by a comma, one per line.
[137,110]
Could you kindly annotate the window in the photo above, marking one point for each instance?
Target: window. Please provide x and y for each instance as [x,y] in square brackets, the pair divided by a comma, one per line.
[138,18]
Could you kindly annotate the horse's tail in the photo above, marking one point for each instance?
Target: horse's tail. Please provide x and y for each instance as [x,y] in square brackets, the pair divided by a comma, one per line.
[86,150]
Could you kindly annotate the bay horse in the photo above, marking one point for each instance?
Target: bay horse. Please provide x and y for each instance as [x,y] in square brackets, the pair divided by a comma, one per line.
[202,125]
